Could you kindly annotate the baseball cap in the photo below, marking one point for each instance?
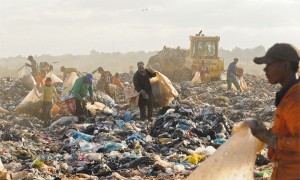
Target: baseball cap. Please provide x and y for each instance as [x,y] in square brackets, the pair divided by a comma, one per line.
[279,51]
[89,77]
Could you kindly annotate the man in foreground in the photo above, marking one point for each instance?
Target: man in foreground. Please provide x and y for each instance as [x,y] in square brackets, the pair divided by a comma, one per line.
[283,139]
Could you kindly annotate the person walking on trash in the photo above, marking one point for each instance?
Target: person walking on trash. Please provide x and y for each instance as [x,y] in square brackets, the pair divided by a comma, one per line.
[141,81]
[49,92]
[104,81]
[283,139]
[67,71]
[82,86]
[231,75]
[204,71]
[33,65]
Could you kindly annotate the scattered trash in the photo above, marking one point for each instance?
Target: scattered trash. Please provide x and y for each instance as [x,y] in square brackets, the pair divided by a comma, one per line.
[190,130]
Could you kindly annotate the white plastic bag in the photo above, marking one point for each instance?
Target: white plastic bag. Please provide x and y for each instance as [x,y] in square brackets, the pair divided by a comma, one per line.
[233,160]
[70,80]
[31,104]
[196,79]
[2,110]
[53,77]
[25,75]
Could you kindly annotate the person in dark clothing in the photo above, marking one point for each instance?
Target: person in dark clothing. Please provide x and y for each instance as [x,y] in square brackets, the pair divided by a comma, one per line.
[231,75]
[104,81]
[33,65]
[141,81]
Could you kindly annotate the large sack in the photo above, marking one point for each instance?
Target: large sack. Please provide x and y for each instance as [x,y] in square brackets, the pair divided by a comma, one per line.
[243,84]
[196,79]
[53,77]
[31,104]
[162,89]
[98,106]
[2,110]
[132,96]
[25,76]
[234,160]
[70,80]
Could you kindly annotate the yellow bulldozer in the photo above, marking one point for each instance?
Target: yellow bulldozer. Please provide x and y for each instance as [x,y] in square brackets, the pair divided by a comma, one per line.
[205,49]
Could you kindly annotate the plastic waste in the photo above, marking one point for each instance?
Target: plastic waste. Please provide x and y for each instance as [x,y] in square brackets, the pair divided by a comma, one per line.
[37,163]
[196,79]
[162,89]
[86,146]
[113,146]
[179,168]
[98,106]
[53,77]
[82,136]
[65,120]
[264,173]
[4,111]
[127,116]
[209,150]
[220,140]
[182,126]
[70,80]
[120,123]
[134,136]
[25,76]
[194,159]
[31,104]
[238,155]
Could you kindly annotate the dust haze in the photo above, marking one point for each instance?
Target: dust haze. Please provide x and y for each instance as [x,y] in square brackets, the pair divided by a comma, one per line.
[120,62]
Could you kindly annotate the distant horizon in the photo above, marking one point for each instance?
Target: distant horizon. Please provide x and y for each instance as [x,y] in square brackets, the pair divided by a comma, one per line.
[35,55]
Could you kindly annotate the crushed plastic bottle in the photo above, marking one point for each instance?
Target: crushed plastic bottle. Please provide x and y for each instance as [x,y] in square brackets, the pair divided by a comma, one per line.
[82,135]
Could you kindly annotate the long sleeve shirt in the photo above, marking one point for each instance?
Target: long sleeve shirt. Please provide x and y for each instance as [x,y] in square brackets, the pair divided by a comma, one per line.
[287,124]
[231,71]
[33,65]
[142,82]
[81,88]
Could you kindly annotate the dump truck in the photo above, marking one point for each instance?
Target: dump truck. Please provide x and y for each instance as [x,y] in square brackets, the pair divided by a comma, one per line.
[205,48]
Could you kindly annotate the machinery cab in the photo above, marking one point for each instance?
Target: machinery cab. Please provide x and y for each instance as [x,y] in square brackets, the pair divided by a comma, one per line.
[205,49]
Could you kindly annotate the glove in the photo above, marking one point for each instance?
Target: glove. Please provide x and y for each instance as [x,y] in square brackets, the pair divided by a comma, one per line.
[260,131]
[144,94]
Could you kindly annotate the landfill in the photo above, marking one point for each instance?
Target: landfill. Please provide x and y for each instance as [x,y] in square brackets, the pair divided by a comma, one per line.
[112,143]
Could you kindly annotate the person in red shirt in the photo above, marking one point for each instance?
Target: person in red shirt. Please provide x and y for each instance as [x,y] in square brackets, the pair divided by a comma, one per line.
[204,71]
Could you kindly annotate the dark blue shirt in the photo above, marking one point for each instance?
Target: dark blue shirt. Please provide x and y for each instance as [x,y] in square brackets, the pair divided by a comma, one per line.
[231,71]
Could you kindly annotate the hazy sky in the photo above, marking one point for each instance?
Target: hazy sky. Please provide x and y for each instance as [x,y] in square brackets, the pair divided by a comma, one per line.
[59,27]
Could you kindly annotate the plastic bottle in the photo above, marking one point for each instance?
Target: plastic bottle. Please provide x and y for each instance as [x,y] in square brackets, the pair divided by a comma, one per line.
[82,135]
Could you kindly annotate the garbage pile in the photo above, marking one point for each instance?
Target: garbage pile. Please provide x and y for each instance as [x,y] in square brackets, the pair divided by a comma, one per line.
[172,62]
[115,144]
